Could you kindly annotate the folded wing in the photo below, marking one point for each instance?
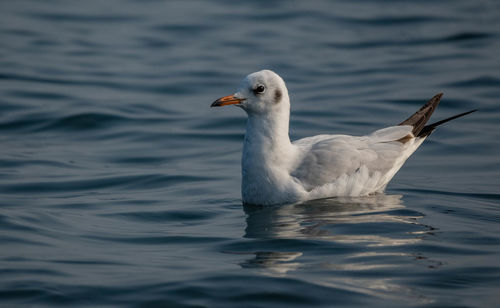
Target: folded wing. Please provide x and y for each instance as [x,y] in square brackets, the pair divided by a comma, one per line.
[327,158]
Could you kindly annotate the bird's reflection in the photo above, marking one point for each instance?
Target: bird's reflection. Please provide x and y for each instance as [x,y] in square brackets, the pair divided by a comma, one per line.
[274,263]
[368,225]
[319,219]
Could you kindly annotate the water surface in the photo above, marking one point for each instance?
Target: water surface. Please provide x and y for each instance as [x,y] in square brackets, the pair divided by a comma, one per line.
[119,186]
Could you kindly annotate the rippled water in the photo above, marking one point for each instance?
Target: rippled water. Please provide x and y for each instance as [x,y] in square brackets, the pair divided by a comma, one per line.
[119,186]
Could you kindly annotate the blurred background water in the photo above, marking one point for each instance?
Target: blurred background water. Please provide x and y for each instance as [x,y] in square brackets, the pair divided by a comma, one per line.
[119,186]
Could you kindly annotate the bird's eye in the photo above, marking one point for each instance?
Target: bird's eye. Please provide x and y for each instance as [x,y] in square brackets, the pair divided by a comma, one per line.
[259,89]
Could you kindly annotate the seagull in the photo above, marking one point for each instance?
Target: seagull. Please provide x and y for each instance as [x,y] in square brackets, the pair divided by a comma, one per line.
[276,170]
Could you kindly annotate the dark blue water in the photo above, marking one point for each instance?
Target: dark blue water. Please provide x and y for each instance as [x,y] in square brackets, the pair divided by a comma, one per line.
[119,186]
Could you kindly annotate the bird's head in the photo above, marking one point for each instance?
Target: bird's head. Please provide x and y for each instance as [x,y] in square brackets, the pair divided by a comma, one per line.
[262,92]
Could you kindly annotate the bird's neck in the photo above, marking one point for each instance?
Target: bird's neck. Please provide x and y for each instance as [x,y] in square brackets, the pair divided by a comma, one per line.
[267,135]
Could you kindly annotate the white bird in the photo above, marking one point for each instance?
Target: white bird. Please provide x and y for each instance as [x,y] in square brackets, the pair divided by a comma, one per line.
[276,170]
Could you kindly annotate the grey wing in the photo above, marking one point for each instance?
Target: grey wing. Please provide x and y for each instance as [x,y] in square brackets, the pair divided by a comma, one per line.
[328,157]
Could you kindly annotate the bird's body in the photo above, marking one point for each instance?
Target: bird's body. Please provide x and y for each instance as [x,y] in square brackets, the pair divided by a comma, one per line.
[276,170]
[279,171]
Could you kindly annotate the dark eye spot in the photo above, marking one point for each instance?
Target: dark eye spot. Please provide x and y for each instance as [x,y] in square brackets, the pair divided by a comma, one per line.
[259,89]
[277,96]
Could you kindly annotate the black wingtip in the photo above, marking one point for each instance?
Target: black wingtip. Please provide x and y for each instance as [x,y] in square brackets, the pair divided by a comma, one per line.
[428,129]
[420,118]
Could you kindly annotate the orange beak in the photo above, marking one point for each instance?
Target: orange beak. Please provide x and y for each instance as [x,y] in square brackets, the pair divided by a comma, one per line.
[226,100]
